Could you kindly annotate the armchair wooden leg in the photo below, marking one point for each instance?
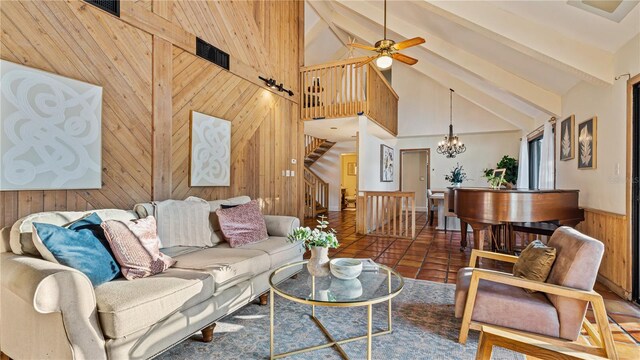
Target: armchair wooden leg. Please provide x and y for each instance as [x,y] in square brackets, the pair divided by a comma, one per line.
[264,299]
[485,347]
[207,333]
[602,322]
[468,309]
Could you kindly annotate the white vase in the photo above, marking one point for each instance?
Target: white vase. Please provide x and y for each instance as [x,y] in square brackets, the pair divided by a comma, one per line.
[457,185]
[318,264]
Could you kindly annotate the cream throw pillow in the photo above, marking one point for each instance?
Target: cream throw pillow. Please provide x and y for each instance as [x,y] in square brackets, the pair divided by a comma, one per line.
[183,222]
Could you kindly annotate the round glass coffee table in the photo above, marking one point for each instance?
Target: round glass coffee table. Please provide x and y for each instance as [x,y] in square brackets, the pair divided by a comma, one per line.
[368,289]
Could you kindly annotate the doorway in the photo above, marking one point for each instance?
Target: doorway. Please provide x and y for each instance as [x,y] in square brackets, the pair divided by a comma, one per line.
[414,174]
[634,159]
[348,181]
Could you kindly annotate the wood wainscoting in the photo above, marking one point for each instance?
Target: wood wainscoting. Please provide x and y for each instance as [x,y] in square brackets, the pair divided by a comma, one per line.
[145,61]
[612,229]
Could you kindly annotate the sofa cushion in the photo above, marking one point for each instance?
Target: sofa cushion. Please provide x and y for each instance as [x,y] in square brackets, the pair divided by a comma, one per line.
[227,266]
[243,224]
[136,247]
[507,306]
[21,239]
[76,248]
[280,250]
[125,307]
[534,263]
[183,222]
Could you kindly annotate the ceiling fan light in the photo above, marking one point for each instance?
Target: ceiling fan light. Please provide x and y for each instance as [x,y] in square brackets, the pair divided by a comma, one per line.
[384,62]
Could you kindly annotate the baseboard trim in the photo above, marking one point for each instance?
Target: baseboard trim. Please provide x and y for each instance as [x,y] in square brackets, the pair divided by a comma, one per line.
[615,288]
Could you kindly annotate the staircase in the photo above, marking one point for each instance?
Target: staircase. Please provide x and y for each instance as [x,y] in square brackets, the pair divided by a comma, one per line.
[316,190]
[314,149]
[316,194]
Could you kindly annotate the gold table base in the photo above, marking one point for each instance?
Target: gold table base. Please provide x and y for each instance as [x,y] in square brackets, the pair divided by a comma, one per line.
[332,342]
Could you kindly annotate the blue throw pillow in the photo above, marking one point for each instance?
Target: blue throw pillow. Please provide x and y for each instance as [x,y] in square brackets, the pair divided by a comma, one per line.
[79,246]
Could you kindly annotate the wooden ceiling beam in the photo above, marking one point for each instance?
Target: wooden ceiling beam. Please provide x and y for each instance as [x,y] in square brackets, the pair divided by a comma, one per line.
[528,92]
[537,41]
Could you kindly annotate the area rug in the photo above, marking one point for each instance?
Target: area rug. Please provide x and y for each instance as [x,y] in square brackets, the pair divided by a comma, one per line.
[423,328]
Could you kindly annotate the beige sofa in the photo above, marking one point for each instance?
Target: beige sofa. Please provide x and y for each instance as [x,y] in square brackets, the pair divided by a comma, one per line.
[50,311]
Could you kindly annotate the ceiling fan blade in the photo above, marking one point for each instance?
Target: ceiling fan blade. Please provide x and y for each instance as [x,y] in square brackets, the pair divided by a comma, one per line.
[360,46]
[365,62]
[405,59]
[408,43]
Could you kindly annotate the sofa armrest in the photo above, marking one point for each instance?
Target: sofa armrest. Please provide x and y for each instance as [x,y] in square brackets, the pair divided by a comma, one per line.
[47,287]
[281,225]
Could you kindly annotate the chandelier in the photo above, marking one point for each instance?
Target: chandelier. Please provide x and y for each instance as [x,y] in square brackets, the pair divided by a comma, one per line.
[451,146]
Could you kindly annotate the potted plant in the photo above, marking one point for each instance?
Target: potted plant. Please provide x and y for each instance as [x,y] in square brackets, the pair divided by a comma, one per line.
[510,165]
[494,180]
[457,176]
[318,241]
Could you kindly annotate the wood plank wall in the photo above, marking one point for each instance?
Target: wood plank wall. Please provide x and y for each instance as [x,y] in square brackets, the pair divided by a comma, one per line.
[612,229]
[151,79]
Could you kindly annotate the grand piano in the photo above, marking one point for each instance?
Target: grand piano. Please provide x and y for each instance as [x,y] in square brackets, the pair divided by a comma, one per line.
[482,208]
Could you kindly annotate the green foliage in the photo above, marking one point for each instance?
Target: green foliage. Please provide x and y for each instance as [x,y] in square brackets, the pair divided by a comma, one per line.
[511,166]
[318,237]
[457,175]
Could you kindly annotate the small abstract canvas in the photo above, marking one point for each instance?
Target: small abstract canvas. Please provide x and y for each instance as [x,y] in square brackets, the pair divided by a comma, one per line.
[210,151]
[50,131]
[386,163]
[587,144]
[567,142]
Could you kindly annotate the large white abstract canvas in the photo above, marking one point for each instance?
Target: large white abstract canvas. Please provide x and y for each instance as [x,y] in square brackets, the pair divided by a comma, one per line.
[210,151]
[50,131]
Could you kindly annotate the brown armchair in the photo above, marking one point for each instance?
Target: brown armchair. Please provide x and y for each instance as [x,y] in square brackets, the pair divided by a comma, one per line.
[558,307]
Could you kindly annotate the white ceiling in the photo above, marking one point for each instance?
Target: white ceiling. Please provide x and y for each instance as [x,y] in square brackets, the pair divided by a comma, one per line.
[514,59]
[576,23]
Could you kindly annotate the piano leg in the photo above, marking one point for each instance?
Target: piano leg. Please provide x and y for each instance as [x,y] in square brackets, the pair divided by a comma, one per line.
[479,230]
[463,235]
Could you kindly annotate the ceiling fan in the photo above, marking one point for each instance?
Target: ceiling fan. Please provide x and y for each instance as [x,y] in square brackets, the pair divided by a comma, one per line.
[387,49]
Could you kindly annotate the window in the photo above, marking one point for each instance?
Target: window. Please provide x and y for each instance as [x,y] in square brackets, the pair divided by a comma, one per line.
[535,149]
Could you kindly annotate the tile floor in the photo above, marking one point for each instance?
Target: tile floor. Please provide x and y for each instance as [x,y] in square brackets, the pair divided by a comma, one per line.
[435,255]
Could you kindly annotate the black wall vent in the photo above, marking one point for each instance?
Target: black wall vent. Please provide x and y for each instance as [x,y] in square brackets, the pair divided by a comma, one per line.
[212,53]
[110,6]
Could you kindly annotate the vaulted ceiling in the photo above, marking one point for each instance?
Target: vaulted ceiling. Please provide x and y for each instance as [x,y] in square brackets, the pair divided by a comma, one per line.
[515,59]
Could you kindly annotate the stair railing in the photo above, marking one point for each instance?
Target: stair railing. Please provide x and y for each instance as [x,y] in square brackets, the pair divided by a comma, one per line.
[386,213]
[311,143]
[316,194]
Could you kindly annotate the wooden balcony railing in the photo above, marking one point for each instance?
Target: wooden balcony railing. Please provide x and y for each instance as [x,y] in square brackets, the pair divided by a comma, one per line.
[386,213]
[341,89]
[316,194]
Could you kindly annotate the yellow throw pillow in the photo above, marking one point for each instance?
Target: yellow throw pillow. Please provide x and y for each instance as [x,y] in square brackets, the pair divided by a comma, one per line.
[535,262]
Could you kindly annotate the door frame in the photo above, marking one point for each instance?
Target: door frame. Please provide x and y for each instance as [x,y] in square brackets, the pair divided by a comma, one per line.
[428,151]
[633,212]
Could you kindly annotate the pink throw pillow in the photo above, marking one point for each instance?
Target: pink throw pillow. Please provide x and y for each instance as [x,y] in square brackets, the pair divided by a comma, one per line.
[243,224]
[136,247]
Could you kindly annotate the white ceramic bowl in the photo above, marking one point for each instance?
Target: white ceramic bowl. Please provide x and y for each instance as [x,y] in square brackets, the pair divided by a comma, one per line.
[345,269]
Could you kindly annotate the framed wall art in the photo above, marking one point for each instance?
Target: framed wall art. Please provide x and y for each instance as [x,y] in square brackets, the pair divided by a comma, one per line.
[588,144]
[50,131]
[386,163]
[567,139]
[210,160]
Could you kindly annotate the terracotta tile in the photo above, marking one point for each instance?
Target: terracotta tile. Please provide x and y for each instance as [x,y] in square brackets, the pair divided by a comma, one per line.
[407,271]
[434,266]
[413,263]
[434,273]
